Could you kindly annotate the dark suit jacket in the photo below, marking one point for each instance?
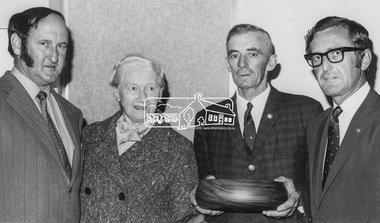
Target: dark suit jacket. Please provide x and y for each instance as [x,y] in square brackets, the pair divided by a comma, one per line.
[150,182]
[279,150]
[34,186]
[352,189]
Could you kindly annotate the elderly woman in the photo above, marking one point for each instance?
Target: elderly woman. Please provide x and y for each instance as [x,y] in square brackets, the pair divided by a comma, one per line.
[133,172]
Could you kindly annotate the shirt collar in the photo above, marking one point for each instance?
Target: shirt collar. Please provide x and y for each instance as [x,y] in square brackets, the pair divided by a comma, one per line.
[258,102]
[352,104]
[28,84]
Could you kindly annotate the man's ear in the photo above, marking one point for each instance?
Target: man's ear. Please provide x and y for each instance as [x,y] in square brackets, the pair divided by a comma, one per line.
[366,59]
[272,62]
[16,44]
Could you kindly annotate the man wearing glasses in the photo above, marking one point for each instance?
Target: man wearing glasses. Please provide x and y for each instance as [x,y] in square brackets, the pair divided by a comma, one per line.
[344,140]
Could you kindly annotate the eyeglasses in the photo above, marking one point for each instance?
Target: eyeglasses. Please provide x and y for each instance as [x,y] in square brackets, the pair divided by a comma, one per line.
[334,56]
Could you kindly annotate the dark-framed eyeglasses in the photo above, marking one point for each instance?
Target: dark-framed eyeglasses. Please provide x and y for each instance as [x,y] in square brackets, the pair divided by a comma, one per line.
[334,56]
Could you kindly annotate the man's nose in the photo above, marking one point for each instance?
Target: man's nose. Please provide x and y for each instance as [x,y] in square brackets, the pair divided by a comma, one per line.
[53,55]
[326,64]
[242,62]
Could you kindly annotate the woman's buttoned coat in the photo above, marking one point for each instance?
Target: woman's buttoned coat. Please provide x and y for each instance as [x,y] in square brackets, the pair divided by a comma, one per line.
[150,182]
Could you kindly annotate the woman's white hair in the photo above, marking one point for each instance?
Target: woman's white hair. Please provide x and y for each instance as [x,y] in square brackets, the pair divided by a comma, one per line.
[137,62]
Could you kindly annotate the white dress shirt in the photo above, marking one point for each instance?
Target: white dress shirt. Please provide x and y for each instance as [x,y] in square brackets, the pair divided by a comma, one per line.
[349,108]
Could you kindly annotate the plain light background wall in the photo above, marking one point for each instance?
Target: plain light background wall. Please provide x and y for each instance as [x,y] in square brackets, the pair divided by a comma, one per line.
[288,21]
[186,37]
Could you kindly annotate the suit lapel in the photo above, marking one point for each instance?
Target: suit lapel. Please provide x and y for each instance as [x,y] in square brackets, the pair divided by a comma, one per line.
[72,128]
[21,102]
[236,135]
[106,151]
[359,124]
[268,118]
[319,158]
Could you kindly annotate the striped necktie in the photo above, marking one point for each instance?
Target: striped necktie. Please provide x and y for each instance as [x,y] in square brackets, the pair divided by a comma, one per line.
[54,133]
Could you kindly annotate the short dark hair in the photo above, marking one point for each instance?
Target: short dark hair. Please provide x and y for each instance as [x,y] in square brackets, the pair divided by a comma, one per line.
[246,28]
[357,33]
[21,23]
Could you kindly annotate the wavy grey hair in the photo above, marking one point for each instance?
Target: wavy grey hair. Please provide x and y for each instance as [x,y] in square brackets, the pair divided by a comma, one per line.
[137,61]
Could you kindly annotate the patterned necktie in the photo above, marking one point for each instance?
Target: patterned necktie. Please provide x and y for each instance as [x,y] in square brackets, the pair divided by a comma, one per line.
[332,143]
[249,127]
[54,133]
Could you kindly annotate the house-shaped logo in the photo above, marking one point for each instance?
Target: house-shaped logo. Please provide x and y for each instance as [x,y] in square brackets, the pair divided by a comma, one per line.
[183,117]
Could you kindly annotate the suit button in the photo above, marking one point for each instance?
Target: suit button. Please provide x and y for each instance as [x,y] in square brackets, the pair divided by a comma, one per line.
[251,167]
[122,196]
[87,190]
[70,190]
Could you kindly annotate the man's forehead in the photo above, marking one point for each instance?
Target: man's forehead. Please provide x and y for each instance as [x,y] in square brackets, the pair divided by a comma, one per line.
[253,40]
[330,38]
[51,25]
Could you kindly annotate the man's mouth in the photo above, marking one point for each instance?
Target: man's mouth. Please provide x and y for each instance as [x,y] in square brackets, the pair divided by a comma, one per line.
[329,78]
[245,74]
[51,67]
[139,107]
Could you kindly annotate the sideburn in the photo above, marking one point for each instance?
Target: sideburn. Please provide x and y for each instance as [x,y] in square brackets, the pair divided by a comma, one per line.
[359,58]
[25,56]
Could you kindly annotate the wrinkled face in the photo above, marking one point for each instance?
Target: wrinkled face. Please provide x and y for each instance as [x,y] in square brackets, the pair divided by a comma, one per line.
[46,47]
[248,56]
[338,80]
[134,89]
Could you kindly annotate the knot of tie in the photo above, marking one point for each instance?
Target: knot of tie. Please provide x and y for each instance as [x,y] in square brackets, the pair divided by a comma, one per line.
[337,111]
[249,107]
[43,105]
[41,95]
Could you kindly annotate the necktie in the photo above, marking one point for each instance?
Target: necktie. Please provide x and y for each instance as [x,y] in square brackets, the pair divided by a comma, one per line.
[332,142]
[249,127]
[54,133]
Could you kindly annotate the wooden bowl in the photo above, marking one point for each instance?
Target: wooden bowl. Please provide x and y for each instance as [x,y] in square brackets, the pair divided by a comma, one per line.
[235,195]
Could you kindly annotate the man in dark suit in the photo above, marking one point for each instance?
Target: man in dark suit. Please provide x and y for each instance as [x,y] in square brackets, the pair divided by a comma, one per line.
[343,141]
[280,119]
[40,153]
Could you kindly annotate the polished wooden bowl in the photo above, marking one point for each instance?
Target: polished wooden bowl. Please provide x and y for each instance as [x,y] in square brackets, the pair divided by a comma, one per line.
[235,195]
